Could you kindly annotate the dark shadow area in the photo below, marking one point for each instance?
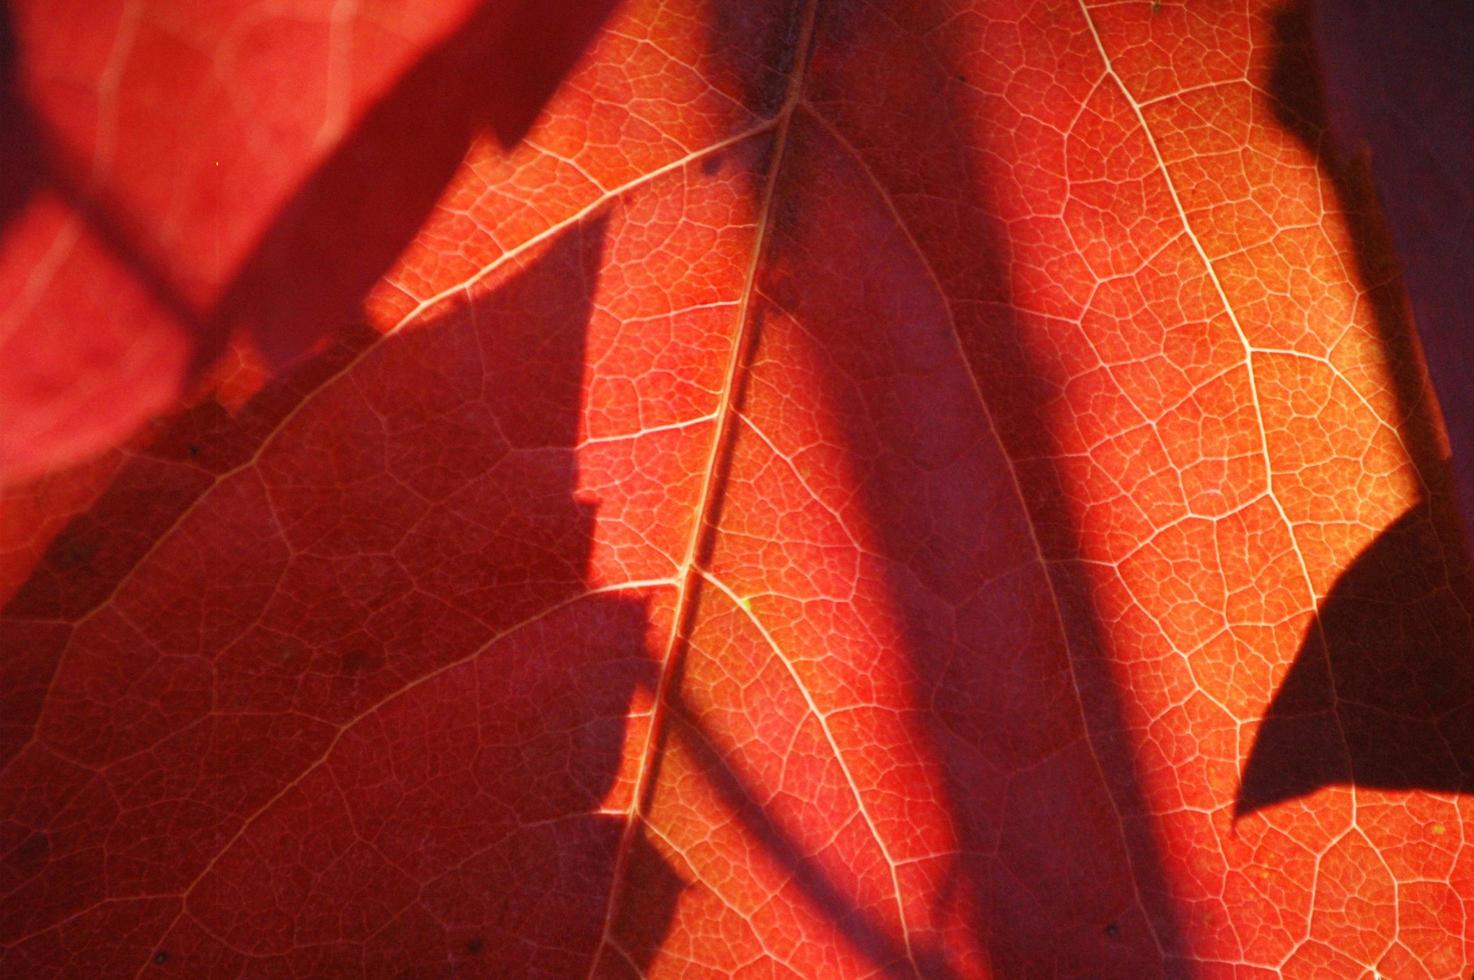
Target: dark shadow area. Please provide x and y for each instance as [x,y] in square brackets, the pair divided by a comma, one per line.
[1381,691]
[1057,860]
[1398,95]
[17,172]
[438,512]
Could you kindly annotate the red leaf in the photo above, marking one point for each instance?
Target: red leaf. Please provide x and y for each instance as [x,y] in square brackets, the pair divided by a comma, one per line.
[852,490]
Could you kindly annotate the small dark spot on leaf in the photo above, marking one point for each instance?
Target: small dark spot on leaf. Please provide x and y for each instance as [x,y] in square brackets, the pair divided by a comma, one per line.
[1112,929]
[711,164]
[75,553]
[475,945]
[161,957]
[962,78]
[194,450]
[360,660]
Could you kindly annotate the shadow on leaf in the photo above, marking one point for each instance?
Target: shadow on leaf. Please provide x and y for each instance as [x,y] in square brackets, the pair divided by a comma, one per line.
[425,687]
[1381,692]
[932,381]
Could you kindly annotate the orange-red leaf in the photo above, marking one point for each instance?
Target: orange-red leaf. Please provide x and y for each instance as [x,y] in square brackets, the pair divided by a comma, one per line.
[941,489]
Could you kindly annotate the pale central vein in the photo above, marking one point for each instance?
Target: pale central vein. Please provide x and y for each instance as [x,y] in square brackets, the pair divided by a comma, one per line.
[690,574]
